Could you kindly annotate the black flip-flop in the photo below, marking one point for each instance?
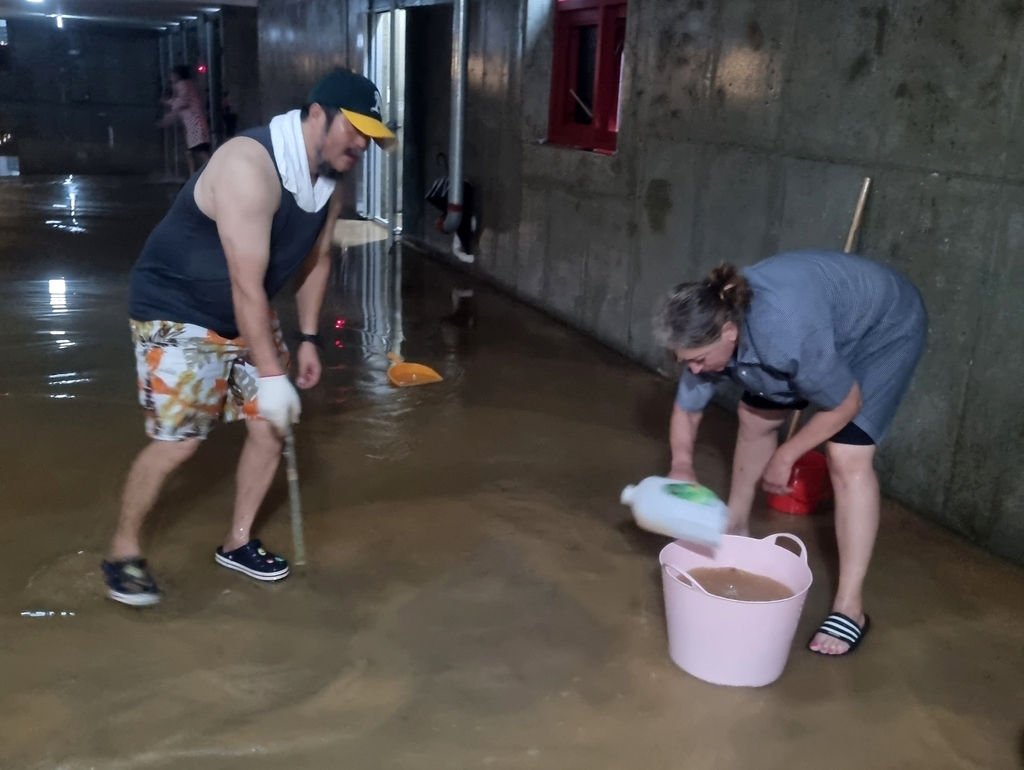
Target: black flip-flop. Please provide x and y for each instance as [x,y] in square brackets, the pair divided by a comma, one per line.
[845,629]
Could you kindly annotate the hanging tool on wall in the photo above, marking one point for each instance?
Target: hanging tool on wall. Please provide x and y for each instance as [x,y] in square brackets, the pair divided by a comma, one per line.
[463,308]
[438,196]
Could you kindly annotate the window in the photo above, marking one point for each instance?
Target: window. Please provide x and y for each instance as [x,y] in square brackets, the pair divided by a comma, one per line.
[590,37]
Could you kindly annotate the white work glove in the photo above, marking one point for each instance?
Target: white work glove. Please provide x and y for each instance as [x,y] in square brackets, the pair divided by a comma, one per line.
[278,401]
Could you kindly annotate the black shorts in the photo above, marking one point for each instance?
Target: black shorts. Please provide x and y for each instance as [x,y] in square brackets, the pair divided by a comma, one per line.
[850,434]
[204,147]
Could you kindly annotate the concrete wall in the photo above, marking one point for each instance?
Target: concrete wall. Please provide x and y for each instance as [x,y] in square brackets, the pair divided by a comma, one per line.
[299,40]
[241,72]
[747,127]
[84,99]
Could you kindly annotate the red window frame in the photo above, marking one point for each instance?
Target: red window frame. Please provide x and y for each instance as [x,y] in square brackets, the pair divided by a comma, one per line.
[609,16]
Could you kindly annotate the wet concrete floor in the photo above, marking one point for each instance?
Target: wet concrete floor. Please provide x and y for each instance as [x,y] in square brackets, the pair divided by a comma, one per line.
[477,596]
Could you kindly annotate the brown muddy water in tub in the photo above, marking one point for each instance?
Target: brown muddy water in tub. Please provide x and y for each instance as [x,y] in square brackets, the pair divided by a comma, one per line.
[738,584]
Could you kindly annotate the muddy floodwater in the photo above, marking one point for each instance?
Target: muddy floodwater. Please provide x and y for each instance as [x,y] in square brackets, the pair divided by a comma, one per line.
[476,596]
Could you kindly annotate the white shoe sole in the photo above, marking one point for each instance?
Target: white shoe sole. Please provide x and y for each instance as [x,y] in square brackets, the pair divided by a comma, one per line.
[134,600]
[266,577]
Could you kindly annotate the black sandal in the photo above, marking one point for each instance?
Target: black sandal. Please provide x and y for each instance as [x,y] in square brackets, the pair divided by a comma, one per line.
[845,629]
[129,582]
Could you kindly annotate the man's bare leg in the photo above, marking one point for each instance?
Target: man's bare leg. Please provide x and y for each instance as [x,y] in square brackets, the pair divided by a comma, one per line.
[756,442]
[145,479]
[260,457]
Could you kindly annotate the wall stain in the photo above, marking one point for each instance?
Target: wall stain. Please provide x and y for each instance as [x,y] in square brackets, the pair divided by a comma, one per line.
[881,16]
[658,203]
[859,67]
[1013,10]
[881,21]
[755,37]
[665,45]
[991,90]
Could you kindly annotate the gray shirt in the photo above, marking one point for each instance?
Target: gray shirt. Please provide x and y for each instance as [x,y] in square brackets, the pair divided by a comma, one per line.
[820,321]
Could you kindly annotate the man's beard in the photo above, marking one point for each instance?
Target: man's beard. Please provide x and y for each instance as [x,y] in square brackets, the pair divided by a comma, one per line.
[327,171]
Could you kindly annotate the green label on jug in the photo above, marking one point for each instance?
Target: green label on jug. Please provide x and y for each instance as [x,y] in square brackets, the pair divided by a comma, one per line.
[692,493]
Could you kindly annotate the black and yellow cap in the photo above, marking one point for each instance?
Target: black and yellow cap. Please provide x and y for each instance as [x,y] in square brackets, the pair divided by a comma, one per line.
[359,101]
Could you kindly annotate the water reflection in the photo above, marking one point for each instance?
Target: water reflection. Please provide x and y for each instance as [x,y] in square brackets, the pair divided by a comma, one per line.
[364,308]
[72,226]
[59,295]
[366,318]
[63,305]
[67,378]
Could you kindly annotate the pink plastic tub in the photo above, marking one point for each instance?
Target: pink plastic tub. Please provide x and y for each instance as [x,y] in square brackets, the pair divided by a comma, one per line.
[724,641]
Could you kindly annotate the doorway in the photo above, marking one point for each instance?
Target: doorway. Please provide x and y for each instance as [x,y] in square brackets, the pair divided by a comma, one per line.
[383,171]
[427,118]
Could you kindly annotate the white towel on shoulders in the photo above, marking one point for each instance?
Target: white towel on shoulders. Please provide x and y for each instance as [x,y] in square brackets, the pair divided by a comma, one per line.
[293,163]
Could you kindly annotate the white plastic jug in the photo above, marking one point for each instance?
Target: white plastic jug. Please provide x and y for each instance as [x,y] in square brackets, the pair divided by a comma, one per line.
[678,509]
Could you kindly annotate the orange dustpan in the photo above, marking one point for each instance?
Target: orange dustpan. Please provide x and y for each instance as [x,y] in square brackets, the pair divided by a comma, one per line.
[403,375]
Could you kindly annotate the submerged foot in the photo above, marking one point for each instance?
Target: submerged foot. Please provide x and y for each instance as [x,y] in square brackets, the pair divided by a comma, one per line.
[844,634]
[129,582]
[254,560]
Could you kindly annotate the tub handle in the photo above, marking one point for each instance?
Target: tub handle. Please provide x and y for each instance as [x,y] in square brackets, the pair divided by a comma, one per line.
[803,548]
[684,577]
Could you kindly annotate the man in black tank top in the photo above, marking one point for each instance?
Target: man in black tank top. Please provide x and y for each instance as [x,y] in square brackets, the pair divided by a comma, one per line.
[208,345]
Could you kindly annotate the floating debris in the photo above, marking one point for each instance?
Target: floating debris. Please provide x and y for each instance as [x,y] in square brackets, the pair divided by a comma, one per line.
[46,614]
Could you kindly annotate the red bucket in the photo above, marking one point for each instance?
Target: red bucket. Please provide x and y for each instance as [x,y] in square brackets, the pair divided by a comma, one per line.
[810,484]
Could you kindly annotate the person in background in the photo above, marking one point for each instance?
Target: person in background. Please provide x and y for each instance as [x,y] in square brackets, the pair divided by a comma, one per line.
[186,106]
[814,327]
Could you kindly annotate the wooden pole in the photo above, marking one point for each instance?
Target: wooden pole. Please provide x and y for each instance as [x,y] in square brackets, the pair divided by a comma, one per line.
[851,239]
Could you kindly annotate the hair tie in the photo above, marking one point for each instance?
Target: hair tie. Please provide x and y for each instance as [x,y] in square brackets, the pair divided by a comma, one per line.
[724,289]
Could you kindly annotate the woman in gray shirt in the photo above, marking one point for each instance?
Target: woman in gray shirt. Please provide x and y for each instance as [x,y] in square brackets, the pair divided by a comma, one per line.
[834,330]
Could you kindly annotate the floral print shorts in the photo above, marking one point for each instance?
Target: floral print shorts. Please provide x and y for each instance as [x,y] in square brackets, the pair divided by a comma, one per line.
[190,378]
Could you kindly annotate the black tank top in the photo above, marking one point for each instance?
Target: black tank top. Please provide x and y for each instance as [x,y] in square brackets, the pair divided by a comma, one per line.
[182,273]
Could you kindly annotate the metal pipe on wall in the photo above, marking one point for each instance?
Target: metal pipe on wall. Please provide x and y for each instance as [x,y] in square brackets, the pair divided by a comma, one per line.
[222,87]
[393,120]
[173,131]
[457,143]
[161,42]
[397,335]
[170,48]
[212,77]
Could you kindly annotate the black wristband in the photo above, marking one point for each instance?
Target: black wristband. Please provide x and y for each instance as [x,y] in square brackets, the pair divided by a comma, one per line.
[316,339]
